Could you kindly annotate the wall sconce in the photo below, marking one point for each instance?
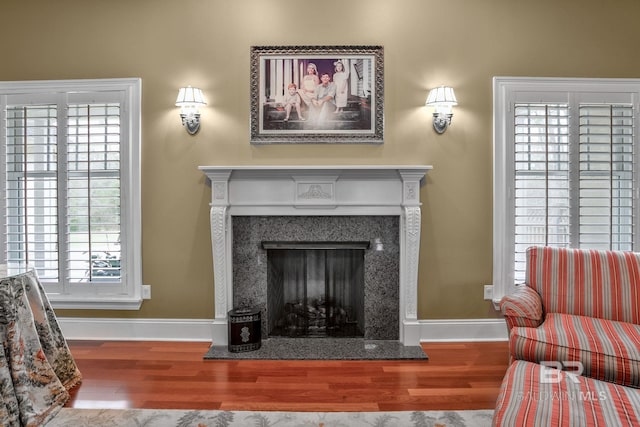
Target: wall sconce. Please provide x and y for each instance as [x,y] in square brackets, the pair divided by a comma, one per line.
[189,100]
[442,99]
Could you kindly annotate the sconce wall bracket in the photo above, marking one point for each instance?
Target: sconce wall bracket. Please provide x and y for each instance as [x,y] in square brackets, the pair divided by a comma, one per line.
[191,122]
[441,122]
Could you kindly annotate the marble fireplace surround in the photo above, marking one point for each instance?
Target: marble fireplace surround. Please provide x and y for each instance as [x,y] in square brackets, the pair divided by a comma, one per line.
[359,190]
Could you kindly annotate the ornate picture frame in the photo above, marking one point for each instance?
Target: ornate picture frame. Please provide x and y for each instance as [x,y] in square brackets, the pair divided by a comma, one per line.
[317,94]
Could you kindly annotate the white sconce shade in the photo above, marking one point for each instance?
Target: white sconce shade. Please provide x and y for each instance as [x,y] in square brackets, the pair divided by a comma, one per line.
[442,99]
[190,99]
[442,95]
[190,96]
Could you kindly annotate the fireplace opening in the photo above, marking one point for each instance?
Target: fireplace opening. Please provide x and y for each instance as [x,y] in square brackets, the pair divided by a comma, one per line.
[315,289]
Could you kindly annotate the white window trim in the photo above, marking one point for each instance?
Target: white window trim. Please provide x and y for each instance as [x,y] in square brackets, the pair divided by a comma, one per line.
[131,298]
[506,92]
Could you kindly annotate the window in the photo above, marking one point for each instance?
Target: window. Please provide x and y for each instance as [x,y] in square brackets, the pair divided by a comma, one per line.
[71,191]
[565,168]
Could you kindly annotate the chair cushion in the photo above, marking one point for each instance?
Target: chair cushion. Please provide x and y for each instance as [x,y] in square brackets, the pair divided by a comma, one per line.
[608,350]
[562,400]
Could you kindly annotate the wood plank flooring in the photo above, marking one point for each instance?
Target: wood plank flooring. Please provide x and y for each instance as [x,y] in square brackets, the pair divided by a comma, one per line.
[173,375]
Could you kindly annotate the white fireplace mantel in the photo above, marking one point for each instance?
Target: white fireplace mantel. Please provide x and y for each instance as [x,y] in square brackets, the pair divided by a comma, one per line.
[316,190]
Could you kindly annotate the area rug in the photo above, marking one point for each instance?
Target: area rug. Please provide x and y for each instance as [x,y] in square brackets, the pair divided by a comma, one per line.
[178,418]
[323,349]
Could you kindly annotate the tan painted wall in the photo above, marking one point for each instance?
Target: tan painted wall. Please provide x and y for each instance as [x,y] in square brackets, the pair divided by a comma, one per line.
[205,43]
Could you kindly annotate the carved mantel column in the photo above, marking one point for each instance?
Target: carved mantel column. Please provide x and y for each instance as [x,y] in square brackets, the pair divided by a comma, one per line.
[220,226]
[221,240]
[410,224]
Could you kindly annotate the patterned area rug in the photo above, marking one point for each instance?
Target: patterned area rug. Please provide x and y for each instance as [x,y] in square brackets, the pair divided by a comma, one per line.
[178,418]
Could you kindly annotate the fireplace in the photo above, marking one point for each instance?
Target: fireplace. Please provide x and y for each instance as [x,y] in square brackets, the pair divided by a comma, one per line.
[254,208]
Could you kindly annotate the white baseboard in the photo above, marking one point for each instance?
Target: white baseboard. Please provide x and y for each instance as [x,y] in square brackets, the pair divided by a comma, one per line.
[463,330]
[76,328]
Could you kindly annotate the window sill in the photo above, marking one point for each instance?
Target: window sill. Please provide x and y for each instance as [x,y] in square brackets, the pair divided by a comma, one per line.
[88,303]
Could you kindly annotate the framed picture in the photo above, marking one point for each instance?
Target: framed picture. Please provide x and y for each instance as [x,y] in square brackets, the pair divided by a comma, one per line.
[317,94]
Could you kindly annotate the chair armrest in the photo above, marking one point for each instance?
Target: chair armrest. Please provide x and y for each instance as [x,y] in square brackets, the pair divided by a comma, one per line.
[522,308]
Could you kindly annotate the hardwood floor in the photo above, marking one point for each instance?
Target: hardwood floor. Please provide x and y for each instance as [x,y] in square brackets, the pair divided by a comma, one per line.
[173,375]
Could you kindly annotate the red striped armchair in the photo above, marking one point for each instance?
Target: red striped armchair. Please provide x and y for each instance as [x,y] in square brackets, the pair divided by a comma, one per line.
[579,306]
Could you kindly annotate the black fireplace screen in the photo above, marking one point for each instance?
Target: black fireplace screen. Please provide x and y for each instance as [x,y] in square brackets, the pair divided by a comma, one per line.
[315,289]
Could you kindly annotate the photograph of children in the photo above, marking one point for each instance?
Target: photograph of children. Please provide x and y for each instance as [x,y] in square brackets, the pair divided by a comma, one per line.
[315,94]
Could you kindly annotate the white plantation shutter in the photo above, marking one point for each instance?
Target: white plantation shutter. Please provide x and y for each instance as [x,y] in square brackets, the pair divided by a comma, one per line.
[606,177]
[92,184]
[541,178]
[93,192]
[545,181]
[71,204]
[565,168]
[32,188]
